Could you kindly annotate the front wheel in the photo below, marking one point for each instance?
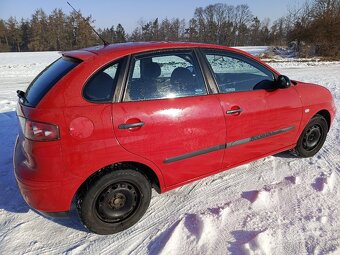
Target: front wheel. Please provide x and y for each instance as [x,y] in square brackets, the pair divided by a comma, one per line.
[114,201]
[312,137]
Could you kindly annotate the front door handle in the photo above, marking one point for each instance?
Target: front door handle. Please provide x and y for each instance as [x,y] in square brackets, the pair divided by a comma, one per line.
[234,111]
[132,125]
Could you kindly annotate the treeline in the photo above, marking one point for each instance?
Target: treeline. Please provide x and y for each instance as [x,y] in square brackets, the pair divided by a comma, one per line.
[56,31]
[314,26]
[218,23]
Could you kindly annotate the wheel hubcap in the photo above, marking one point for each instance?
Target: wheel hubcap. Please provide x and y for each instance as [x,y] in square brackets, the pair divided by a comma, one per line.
[312,137]
[117,202]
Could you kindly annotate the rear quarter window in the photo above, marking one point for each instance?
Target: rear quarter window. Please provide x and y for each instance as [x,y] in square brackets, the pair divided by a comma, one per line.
[102,85]
[48,78]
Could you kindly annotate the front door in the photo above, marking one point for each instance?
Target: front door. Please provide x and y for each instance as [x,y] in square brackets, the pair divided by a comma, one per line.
[167,116]
[260,118]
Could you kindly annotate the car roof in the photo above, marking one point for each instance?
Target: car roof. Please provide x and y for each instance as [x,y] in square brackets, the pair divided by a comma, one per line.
[121,49]
[117,50]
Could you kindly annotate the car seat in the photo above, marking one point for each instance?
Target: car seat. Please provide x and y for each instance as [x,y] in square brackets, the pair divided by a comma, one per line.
[146,87]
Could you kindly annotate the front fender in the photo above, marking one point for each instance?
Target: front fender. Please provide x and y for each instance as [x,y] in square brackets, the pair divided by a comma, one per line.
[314,98]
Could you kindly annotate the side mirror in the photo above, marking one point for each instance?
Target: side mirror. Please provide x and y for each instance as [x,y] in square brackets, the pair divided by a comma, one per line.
[283,82]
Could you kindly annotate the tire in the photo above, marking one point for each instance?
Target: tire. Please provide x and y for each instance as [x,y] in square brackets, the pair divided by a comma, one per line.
[114,201]
[312,137]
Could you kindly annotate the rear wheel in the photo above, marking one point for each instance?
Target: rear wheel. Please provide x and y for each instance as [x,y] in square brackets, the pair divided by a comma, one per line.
[312,137]
[114,201]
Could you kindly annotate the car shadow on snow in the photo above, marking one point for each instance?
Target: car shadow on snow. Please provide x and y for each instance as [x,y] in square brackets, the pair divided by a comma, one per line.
[71,221]
[11,199]
[284,154]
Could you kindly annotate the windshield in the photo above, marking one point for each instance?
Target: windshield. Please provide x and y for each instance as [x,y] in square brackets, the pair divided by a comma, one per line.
[47,79]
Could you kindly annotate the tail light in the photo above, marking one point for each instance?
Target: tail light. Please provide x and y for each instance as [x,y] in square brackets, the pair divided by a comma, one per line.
[39,131]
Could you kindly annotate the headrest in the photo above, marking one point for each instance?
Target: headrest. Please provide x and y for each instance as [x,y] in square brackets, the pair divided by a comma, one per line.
[181,75]
[152,70]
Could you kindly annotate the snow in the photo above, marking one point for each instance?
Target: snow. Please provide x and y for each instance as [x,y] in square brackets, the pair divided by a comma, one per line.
[254,50]
[17,70]
[276,205]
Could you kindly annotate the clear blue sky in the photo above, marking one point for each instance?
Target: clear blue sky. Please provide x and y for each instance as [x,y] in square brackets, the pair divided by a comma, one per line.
[129,12]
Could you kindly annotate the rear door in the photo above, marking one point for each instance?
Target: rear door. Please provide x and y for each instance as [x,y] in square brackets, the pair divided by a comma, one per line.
[167,116]
[260,119]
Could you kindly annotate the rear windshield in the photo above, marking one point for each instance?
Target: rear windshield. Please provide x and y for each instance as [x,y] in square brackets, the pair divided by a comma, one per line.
[47,78]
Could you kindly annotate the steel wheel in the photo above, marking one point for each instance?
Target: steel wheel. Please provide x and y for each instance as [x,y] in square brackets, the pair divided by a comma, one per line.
[113,201]
[312,137]
[117,202]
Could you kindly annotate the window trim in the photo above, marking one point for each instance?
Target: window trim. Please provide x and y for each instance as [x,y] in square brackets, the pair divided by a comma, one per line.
[231,54]
[121,67]
[129,71]
[122,80]
[207,73]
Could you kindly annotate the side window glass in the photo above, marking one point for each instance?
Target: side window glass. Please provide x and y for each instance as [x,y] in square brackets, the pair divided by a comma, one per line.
[101,86]
[164,75]
[233,74]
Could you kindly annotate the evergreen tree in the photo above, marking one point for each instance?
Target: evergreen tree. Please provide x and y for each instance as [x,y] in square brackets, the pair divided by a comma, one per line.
[4,44]
[14,34]
[82,33]
[57,30]
[25,34]
[39,27]
[120,34]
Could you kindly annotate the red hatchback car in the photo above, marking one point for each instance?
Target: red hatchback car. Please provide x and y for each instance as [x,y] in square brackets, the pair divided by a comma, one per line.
[106,124]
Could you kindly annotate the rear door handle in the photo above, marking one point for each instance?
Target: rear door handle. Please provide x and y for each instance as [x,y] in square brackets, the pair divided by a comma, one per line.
[132,125]
[234,111]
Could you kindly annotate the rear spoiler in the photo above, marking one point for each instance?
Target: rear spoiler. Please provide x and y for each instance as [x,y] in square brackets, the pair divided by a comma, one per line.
[79,54]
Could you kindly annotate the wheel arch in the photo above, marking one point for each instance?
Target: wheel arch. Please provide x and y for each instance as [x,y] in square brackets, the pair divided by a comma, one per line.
[324,113]
[150,174]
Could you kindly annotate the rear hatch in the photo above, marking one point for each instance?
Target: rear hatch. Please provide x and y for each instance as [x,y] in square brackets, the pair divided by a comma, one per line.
[35,127]
[38,149]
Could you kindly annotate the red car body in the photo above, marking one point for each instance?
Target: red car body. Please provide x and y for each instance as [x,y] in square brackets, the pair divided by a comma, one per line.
[183,139]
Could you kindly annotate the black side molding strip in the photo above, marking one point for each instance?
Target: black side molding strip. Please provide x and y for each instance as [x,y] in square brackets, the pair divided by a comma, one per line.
[195,153]
[258,137]
[228,145]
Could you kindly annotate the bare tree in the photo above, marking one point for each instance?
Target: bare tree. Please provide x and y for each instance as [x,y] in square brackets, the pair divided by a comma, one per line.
[317,26]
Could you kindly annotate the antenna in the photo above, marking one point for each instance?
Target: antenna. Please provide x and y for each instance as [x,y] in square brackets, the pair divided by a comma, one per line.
[101,38]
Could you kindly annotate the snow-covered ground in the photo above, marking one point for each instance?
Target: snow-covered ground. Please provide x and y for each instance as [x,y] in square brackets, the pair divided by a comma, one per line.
[17,70]
[254,50]
[276,205]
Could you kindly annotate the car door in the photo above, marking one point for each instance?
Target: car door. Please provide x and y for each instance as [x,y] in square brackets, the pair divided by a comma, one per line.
[260,118]
[167,116]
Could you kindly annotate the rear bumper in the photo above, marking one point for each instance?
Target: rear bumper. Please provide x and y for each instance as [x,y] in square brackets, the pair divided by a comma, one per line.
[41,196]
[46,195]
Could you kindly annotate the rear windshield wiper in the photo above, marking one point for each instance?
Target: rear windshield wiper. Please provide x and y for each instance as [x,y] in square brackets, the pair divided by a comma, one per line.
[22,95]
